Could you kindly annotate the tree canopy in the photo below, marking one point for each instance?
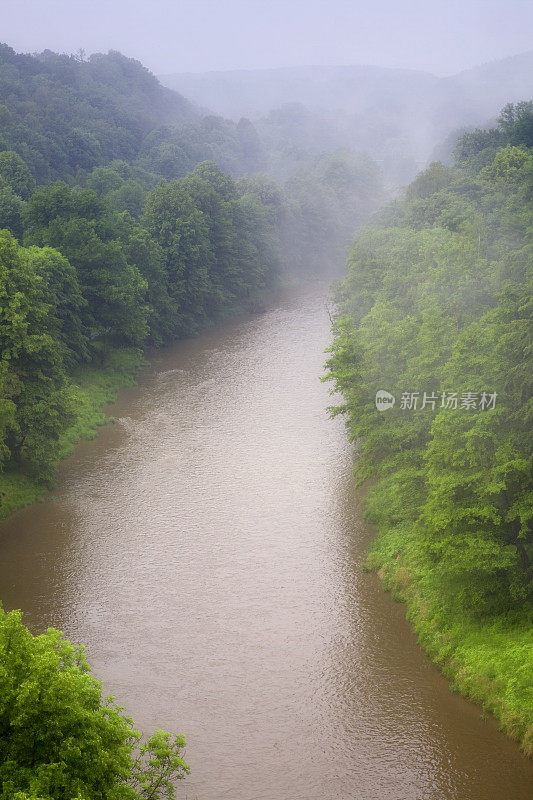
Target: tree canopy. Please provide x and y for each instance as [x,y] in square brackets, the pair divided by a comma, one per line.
[436,311]
[60,739]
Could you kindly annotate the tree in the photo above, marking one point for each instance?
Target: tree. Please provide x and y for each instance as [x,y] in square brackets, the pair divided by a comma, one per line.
[62,292]
[182,230]
[80,225]
[146,254]
[60,739]
[15,172]
[432,180]
[30,349]
[11,208]
[478,512]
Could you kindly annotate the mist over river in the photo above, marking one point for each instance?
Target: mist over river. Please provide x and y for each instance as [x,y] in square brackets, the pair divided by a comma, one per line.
[207,549]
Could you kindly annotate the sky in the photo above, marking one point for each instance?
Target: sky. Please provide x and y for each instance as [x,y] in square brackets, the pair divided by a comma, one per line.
[439,36]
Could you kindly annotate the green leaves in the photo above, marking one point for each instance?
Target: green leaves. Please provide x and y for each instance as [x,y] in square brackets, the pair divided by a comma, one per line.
[14,171]
[60,740]
[36,404]
[159,764]
[439,303]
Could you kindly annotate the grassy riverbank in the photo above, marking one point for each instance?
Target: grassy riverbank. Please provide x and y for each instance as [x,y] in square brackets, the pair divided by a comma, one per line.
[91,388]
[435,315]
[486,660]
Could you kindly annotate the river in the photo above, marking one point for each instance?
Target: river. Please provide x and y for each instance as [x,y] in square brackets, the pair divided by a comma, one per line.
[207,549]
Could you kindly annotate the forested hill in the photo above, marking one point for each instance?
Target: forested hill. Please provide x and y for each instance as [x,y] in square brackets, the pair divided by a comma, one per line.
[65,114]
[436,311]
[62,113]
[398,116]
[146,238]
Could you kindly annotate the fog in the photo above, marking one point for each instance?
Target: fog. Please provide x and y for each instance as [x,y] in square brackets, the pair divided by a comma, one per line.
[440,36]
[395,80]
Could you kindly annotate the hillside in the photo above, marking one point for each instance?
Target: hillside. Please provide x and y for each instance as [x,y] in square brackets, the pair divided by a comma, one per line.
[398,116]
[62,113]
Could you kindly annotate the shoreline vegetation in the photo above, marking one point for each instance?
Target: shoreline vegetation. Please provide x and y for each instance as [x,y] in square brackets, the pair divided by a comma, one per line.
[436,312]
[93,389]
[486,662]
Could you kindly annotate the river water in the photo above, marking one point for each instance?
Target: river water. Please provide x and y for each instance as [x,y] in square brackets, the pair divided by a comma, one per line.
[207,549]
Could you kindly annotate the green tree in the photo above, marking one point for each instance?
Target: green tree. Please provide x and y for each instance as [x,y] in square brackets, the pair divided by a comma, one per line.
[182,230]
[63,294]
[60,739]
[479,511]
[14,171]
[11,208]
[79,224]
[30,348]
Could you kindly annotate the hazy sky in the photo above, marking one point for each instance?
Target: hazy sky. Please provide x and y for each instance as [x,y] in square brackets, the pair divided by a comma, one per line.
[442,36]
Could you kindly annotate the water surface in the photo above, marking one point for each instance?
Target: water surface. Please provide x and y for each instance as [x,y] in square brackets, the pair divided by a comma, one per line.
[207,549]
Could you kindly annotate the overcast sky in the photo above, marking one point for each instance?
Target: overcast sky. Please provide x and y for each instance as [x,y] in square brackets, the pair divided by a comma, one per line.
[442,36]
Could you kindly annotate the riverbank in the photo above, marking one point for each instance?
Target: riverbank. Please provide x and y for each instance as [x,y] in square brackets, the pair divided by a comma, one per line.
[430,354]
[92,389]
[487,661]
[95,386]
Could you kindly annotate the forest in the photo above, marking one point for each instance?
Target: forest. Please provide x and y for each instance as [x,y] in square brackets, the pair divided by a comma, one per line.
[436,311]
[105,250]
[127,220]
[130,218]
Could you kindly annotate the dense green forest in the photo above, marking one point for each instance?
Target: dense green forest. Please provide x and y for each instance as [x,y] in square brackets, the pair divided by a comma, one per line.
[436,311]
[117,233]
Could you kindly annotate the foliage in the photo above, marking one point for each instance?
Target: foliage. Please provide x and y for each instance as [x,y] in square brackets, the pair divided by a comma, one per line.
[59,739]
[438,300]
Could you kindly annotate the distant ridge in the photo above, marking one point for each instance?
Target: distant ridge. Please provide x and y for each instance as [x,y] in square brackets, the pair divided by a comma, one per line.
[254,93]
[398,116]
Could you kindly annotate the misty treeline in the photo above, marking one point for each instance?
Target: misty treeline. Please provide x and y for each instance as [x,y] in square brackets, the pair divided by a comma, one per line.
[65,115]
[397,116]
[438,301]
[138,244]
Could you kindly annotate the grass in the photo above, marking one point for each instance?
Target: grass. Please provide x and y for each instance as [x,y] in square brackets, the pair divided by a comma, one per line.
[93,388]
[489,660]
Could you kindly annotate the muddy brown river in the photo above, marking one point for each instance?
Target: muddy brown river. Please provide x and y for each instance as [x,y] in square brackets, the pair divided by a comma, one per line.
[207,549]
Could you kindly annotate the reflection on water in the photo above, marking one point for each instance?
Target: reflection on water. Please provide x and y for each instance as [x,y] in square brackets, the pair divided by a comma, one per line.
[207,549]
